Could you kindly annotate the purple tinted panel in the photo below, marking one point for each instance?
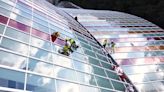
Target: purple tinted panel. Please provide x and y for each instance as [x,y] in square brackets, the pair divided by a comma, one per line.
[60,41]
[19,26]
[115,40]
[162,38]
[3,19]
[160,31]
[150,39]
[41,34]
[124,62]
[156,38]
[162,59]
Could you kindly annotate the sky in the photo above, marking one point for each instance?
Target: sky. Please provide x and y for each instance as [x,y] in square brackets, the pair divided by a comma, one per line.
[151,10]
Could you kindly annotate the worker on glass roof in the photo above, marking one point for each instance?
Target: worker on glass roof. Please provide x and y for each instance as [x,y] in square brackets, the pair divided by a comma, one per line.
[105,43]
[119,72]
[54,36]
[112,47]
[129,88]
[65,50]
[76,18]
[73,45]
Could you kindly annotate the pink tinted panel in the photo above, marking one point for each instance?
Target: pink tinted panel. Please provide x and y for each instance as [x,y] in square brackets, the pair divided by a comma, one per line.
[123,62]
[3,19]
[19,26]
[60,41]
[41,34]
[148,60]
[161,59]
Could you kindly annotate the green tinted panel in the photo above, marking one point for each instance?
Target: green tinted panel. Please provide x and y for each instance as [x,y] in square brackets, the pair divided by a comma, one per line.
[106,65]
[94,45]
[94,61]
[89,53]
[98,51]
[102,82]
[98,71]
[86,46]
[102,57]
[104,90]
[79,38]
[118,86]
[112,75]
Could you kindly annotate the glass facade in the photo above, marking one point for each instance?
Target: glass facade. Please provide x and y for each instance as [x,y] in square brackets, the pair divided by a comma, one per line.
[30,62]
[139,45]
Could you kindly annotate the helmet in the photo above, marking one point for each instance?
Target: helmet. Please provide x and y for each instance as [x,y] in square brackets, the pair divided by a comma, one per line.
[67,39]
[57,33]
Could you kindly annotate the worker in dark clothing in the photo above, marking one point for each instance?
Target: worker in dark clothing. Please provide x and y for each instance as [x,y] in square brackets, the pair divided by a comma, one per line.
[76,18]
[129,88]
[54,36]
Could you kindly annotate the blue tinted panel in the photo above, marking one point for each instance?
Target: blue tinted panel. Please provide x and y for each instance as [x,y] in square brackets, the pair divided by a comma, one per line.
[39,15]
[17,34]
[146,88]
[40,67]
[21,19]
[79,56]
[1,28]
[12,60]
[155,76]
[86,78]
[41,54]
[24,8]
[6,6]
[159,85]
[10,2]
[82,67]
[62,61]
[40,21]
[65,73]
[40,27]
[63,86]
[21,13]
[40,43]
[5,12]
[16,81]
[88,89]
[14,46]
[40,84]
